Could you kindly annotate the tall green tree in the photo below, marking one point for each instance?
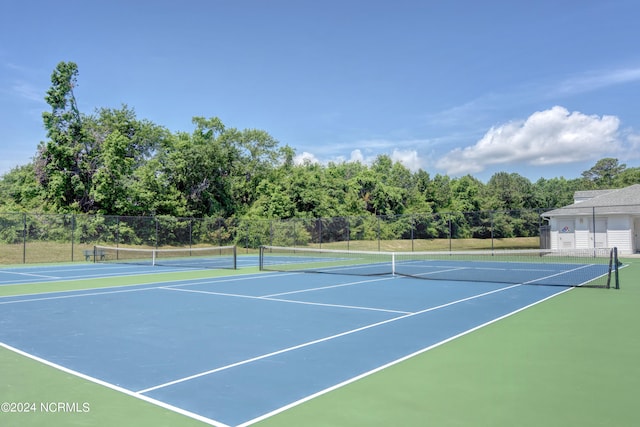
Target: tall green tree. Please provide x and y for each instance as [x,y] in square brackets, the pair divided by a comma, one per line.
[555,192]
[63,162]
[258,153]
[629,176]
[120,145]
[438,193]
[19,190]
[378,197]
[508,191]
[604,173]
[218,169]
[466,194]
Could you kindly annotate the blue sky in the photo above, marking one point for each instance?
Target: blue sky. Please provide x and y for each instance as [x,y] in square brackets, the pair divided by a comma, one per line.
[541,88]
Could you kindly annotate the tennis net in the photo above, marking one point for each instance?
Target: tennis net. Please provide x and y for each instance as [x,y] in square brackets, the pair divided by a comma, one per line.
[200,257]
[597,267]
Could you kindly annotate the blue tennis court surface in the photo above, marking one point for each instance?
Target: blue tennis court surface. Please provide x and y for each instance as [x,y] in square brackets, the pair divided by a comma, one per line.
[233,350]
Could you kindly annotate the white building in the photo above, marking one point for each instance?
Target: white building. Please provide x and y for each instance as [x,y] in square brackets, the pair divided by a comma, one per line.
[600,218]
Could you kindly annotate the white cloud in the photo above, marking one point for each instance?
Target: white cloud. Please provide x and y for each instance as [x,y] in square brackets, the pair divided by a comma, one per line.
[548,137]
[304,158]
[633,151]
[596,80]
[357,157]
[408,158]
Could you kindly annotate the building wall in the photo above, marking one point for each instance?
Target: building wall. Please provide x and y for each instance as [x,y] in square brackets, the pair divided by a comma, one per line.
[562,233]
[577,232]
[584,237]
[620,233]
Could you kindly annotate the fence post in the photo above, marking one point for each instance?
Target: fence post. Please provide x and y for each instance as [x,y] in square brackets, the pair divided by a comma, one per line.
[492,235]
[450,231]
[24,238]
[246,237]
[593,220]
[155,219]
[73,230]
[413,224]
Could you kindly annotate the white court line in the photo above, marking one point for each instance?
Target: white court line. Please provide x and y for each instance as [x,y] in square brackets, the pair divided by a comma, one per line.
[441,271]
[76,295]
[559,274]
[118,288]
[392,363]
[327,287]
[523,283]
[30,275]
[320,340]
[115,387]
[111,290]
[353,307]
[543,270]
[81,278]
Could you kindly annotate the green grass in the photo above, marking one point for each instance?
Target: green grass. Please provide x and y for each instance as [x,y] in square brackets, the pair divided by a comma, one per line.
[434,244]
[570,361]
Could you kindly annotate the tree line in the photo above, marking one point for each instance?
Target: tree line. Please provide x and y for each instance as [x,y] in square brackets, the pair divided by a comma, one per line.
[112,163]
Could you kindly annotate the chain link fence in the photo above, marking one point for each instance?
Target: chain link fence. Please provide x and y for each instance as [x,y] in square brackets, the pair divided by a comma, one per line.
[31,238]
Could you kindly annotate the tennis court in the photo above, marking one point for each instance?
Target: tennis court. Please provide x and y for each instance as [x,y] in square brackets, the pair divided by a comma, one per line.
[234,350]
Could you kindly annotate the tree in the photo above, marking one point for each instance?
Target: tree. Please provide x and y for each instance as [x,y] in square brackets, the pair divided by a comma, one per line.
[511,197]
[438,193]
[555,192]
[627,177]
[19,190]
[604,173]
[378,197]
[63,162]
[466,194]
[218,169]
[258,154]
[120,145]
[508,191]
[197,165]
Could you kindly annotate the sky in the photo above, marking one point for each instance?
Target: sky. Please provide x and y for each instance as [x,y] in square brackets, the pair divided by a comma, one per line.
[541,88]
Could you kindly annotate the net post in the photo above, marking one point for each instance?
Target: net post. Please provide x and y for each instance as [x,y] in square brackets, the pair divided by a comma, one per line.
[261,258]
[610,270]
[616,263]
[235,258]
[95,251]
[153,257]
[393,264]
